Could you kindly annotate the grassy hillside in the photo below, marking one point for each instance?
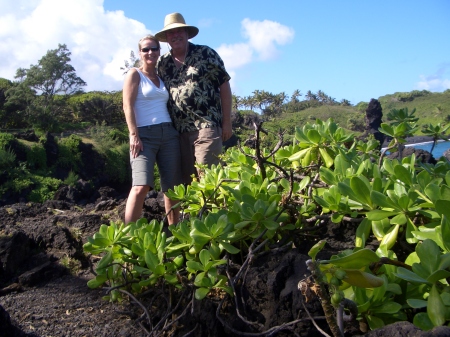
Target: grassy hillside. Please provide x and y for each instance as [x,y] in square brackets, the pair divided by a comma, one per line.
[430,108]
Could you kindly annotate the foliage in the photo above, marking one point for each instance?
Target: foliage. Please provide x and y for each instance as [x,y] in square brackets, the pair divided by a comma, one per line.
[69,152]
[44,188]
[71,179]
[6,139]
[38,87]
[264,196]
[7,158]
[37,157]
[97,107]
[117,166]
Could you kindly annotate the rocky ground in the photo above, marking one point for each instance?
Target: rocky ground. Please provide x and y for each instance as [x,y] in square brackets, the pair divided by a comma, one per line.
[43,276]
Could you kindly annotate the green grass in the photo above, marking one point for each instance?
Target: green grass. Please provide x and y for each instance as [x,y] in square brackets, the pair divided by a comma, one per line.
[430,107]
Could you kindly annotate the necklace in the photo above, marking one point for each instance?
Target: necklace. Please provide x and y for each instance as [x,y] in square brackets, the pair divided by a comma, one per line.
[151,76]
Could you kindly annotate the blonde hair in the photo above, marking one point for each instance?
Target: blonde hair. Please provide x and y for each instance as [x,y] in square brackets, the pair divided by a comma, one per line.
[148,37]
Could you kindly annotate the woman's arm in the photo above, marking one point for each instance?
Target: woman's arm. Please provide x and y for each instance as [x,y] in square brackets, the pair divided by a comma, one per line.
[130,90]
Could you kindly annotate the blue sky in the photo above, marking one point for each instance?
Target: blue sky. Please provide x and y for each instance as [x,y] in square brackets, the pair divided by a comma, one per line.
[357,50]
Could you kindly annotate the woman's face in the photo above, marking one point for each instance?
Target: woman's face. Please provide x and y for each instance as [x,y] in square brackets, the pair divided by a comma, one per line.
[149,52]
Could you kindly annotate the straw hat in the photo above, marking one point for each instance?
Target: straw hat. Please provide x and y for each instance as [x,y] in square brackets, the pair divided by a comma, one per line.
[172,21]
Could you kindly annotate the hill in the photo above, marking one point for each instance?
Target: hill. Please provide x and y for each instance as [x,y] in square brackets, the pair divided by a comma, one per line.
[430,107]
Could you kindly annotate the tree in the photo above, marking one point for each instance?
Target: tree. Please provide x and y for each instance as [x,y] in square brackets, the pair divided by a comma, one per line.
[310,96]
[45,86]
[133,61]
[295,96]
[53,74]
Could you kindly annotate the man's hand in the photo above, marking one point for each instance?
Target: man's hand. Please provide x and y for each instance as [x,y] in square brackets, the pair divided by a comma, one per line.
[227,131]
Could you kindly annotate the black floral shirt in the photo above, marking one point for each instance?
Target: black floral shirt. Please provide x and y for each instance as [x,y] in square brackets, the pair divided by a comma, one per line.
[194,101]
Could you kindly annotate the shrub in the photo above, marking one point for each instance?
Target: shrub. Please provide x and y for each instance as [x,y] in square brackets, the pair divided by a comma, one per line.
[118,163]
[5,139]
[71,179]
[37,157]
[69,152]
[103,138]
[44,188]
[7,158]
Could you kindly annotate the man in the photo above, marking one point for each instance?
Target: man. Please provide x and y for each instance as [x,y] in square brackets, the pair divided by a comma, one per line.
[200,95]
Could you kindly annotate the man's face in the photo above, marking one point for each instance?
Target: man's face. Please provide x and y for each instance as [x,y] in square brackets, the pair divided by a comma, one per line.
[177,38]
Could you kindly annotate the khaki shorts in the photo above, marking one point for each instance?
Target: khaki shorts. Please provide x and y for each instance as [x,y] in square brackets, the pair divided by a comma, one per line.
[203,147]
[161,146]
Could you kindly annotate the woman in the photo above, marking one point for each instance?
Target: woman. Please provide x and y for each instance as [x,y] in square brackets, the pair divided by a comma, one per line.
[152,135]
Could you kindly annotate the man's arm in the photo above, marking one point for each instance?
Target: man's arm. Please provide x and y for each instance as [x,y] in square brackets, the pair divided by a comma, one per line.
[226,101]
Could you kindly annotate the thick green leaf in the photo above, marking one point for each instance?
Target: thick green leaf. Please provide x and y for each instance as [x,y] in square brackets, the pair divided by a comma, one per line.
[105,261]
[429,254]
[374,322]
[377,215]
[410,276]
[327,159]
[382,200]
[204,256]
[362,232]
[361,190]
[416,304]
[97,281]
[387,308]
[200,293]
[151,260]
[316,249]
[403,174]
[438,275]
[356,260]
[435,307]
[390,238]
[314,136]
[422,321]
[194,265]
[229,248]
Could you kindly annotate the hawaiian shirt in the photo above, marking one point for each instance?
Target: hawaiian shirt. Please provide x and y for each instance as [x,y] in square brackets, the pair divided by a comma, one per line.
[194,101]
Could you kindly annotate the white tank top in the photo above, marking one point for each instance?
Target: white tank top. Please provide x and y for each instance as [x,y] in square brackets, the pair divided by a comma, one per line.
[150,106]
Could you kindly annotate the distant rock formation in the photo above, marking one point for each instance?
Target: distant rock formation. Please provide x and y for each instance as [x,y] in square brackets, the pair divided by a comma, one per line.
[373,120]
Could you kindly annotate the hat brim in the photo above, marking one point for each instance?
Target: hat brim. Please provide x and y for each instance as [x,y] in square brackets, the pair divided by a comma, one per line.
[191,30]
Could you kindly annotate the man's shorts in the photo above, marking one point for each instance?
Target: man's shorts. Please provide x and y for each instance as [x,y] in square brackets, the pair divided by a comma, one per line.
[161,145]
[203,146]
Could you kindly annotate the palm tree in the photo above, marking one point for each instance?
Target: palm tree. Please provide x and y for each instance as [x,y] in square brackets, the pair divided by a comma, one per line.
[310,96]
[236,102]
[295,95]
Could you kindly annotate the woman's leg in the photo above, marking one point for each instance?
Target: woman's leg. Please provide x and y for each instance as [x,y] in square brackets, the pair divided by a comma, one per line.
[135,202]
[173,215]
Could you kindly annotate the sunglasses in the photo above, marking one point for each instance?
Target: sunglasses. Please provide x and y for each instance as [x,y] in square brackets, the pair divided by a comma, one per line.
[147,49]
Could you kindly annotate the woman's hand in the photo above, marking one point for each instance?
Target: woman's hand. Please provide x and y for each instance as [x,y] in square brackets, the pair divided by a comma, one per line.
[136,146]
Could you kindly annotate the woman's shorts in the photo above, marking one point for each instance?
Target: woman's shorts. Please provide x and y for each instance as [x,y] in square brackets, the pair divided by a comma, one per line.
[161,146]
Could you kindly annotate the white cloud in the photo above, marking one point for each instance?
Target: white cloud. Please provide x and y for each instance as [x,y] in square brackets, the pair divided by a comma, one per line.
[263,35]
[262,39]
[235,55]
[436,82]
[100,41]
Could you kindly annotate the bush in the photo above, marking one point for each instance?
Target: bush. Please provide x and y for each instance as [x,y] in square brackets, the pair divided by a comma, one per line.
[71,179]
[5,139]
[69,152]
[44,188]
[37,157]
[7,158]
[118,163]
[103,138]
